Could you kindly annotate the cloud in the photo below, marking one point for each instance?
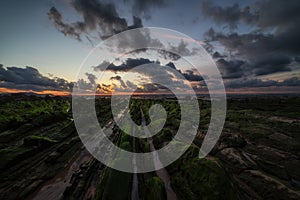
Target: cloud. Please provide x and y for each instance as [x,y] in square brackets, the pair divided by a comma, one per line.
[262,53]
[250,83]
[230,69]
[131,84]
[152,72]
[191,76]
[134,40]
[30,78]
[256,83]
[83,85]
[272,64]
[217,55]
[124,86]
[293,81]
[149,87]
[273,42]
[297,59]
[88,85]
[117,78]
[263,14]
[99,17]
[101,21]
[143,8]
[104,88]
[131,63]
[170,64]
[101,66]
[183,49]
[168,55]
[180,50]
[73,30]
[229,15]
[91,77]
[150,75]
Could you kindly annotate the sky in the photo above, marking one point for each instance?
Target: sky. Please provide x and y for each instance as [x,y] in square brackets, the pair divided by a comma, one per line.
[254,44]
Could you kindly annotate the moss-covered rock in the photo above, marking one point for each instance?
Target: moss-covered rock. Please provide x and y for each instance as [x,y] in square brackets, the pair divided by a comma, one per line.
[155,189]
[38,141]
[11,154]
[118,185]
[195,178]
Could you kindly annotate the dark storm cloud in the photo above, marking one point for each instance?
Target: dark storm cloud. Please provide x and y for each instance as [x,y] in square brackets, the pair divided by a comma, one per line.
[272,64]
[89,85]
[131,63]
[124,86]
[166,76]
[254,45]
[131,84]
[168,55]
[294,81]
[274,41]
[30,78]
[102,66]
[101,21]
[217,55]
[183,49]
[264,14]
[250,83]
[229,15]
[230,69]
[176,52]
[254,83]
[277,13]
[170,64]
[115,78]
[135,40]
[98,17]
[262,53]
[191,76]
[73,30]
[137,23]
[156,73]
[297,58]
[96,13]
[91,77]
[143,8]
